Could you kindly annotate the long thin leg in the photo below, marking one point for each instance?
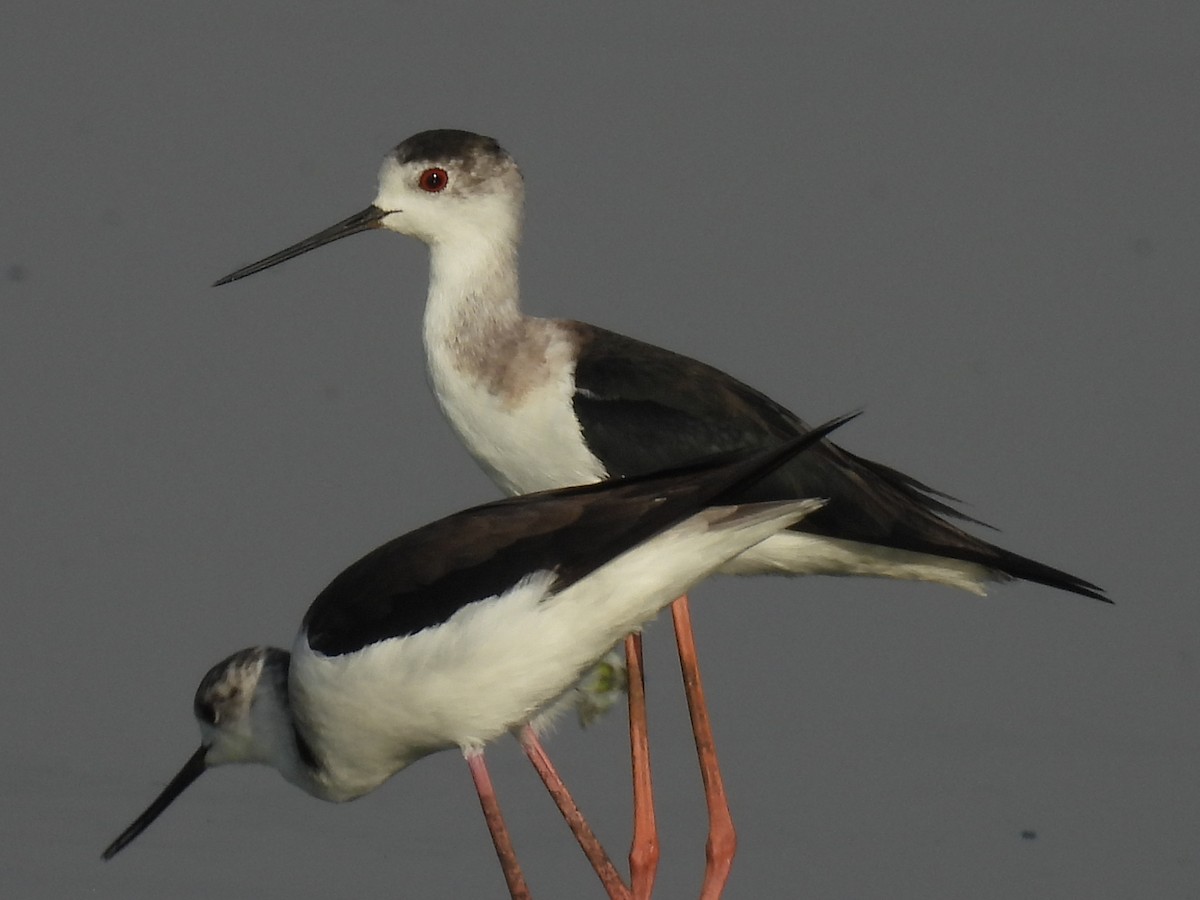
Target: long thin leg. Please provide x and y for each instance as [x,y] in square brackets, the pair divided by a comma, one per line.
[495,822]
[722,839]
[643,854]
[592,848]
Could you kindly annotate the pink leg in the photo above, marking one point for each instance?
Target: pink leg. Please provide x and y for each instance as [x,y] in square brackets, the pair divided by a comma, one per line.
[643,854]
[722,839]
[495,822]
[591,845]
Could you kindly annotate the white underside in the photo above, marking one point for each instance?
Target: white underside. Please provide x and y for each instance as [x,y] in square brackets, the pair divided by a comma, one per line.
[797,553]
[497,662]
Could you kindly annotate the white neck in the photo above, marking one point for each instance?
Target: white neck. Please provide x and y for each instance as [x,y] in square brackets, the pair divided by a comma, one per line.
[474,293]
[502,379]
[275,738]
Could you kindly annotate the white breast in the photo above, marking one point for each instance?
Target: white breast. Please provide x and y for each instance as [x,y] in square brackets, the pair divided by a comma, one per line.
[522,430]
[370,713]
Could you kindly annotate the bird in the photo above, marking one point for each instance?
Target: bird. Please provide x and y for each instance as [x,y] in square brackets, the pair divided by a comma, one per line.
[463,630]
[543,403]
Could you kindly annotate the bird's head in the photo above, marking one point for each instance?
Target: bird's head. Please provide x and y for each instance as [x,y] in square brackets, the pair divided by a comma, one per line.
[443,187]
[237,707]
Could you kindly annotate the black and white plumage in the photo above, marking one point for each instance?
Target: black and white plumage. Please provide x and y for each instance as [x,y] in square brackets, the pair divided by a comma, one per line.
[543,403]
[467,628]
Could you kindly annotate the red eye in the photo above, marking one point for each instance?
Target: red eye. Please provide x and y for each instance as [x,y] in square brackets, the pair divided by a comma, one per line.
[433,180]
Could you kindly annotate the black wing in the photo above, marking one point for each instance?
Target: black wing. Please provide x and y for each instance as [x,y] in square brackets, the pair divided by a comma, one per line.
[420,580]
[643,408]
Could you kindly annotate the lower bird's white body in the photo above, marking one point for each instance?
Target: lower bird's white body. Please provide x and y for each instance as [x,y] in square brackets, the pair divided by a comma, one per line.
[496,663]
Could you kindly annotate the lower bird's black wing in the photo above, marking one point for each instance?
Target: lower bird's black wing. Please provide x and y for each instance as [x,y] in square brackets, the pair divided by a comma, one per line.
[423,578]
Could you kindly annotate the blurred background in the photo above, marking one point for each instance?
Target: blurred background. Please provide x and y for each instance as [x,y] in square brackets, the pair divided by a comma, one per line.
[977,221]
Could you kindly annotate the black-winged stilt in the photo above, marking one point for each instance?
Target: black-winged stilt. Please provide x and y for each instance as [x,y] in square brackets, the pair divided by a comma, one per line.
[466,629]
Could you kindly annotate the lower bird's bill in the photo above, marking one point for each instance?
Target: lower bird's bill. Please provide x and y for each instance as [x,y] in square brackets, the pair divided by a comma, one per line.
[191,770]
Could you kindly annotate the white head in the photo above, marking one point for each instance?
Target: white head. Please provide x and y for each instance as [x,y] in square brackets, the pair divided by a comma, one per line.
[442,187]
[241,705]
[242,708]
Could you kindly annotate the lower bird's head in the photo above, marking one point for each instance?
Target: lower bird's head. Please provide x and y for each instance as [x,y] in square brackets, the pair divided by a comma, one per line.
[231,697]
[237,706]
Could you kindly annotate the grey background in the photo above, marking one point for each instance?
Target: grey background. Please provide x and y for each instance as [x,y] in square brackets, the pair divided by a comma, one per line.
[977,220]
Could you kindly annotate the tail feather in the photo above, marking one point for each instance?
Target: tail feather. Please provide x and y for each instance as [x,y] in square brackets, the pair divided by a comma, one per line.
[1013,565]
[929,497]
[1003,565]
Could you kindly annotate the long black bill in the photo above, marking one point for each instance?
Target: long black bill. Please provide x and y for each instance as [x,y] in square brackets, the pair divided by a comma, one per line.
[191,770]
[361,221]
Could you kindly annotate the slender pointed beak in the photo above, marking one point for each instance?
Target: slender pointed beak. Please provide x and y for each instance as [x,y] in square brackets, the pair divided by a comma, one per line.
[361,221]
[191,770]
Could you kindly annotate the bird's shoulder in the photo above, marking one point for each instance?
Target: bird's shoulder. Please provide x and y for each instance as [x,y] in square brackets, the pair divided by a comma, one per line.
[660,408]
